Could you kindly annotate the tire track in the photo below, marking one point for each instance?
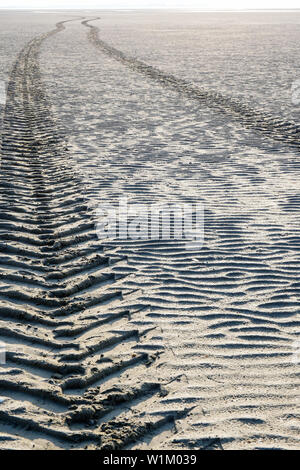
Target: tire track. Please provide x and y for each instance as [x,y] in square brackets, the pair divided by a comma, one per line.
[227,313]
[65,318]
[257,119]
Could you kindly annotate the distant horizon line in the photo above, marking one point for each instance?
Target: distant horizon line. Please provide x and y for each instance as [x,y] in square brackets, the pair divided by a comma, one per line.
[208,10]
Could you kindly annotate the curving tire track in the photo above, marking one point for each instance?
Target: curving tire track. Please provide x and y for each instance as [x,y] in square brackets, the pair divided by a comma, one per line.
[257,119]
[71,372]
[228,312]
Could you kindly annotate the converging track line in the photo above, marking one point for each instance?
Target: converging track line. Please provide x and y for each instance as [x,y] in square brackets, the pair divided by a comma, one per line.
[64,316]
[269,125]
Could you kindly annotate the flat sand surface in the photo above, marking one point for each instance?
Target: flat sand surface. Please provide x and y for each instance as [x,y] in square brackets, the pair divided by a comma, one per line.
[143,344]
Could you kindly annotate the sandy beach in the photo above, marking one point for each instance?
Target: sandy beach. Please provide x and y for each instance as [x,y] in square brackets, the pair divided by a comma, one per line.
[143,343]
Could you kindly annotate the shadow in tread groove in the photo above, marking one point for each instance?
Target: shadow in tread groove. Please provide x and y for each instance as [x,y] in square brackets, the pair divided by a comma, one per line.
[271,126]
[58,318]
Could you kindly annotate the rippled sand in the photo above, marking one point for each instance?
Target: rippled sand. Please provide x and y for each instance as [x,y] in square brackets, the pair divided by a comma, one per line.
[144,344]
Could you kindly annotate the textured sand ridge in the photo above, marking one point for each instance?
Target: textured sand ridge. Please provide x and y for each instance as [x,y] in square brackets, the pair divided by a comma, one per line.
[143,344]
[259,120]
[67,337]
